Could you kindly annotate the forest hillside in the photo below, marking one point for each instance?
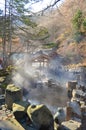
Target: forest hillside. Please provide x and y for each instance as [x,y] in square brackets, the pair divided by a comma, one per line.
[63,28]
[67,28]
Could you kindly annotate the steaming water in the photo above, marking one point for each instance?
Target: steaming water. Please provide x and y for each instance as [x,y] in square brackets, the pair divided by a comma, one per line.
[27,77]
[51,97]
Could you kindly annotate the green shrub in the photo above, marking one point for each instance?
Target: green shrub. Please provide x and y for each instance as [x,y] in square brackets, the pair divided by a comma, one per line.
[84,24]
[77,20]
[79,24]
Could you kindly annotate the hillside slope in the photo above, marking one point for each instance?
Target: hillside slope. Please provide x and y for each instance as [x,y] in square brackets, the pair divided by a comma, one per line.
[59,22]
[55,28]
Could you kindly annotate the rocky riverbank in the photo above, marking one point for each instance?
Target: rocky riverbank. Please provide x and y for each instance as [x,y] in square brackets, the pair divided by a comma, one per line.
[20,113]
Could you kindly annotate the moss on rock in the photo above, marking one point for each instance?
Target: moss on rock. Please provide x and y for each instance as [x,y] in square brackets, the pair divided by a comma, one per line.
[40,116]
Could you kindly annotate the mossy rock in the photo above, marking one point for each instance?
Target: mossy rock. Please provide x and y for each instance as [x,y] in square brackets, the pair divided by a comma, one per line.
[12,88]
[3,72]
[40,116]
[2,79]
[20,106]
[19,109]
[12,94]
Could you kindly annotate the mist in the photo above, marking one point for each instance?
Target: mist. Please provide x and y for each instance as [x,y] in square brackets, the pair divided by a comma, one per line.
[34,82]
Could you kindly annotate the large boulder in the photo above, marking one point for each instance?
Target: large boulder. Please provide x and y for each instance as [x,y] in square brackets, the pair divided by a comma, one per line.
[19,109]
[41,117]
[12,94]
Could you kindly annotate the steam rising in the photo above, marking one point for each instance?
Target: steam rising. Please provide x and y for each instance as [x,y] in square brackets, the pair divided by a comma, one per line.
[34,82]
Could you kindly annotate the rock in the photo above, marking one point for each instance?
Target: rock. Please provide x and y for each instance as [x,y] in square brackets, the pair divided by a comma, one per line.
[57,126]
[83,120]
[12,94]
[3,72]
[2,78]
[41,117]
[19,109]
[2,99]
[71,125]
[60,116]
[75,107]
[10,124]
[0,91]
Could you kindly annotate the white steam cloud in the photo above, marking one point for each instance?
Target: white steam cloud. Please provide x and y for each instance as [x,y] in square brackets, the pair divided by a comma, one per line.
[33,82]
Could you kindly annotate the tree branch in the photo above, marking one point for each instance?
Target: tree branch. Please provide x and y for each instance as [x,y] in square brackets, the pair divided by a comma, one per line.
[51,5]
